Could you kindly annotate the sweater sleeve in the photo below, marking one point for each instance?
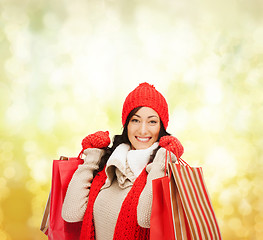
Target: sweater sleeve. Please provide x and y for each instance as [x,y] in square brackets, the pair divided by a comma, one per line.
[155,170]
[76,199]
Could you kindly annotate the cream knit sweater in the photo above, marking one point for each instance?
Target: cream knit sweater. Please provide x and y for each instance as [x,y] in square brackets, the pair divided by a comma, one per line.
[108,202]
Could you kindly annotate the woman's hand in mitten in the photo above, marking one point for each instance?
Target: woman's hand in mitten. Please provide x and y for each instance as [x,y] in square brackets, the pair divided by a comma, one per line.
[98,139]
[172,144]
[167,143]
[93,146]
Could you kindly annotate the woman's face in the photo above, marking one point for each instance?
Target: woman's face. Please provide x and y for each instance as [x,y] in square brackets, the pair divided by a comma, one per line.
[143,128]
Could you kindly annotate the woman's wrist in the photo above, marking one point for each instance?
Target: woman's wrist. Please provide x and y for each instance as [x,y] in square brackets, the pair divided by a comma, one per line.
[163,156]
[93,155]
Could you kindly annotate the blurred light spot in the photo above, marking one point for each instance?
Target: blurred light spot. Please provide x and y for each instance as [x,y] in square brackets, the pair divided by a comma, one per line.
[235,224]
[33,222]
[221,160]
[227,196]
[244,191]
[179,119]
[30,146]
[82,95]
[213,92]
[191,76]
[228,209]
[258,191]
[69,114]
[2,182]
[6,156]
[209,119]
[9,172]
[32,186]
[11,30]
[241,119]
[64,151]
[208,71]
[14,68]
[57,78]
[39,169]
[244,207]
[47,119]
[17,113]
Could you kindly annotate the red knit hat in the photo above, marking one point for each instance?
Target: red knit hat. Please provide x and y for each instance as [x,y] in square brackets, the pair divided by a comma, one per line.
[145,95]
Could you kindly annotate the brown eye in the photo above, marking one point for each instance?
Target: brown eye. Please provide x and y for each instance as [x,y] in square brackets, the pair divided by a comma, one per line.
[135,120]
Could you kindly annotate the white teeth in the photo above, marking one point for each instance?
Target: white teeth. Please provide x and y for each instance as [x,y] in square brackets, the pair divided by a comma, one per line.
[143,139]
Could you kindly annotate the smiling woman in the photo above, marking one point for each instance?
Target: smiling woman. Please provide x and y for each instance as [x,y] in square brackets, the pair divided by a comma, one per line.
[144,128]
[111,191]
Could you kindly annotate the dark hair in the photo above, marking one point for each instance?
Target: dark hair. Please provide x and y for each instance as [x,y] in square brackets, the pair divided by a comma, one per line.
[123,138]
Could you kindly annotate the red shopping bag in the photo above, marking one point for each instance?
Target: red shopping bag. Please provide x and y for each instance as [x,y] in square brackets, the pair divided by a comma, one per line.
[162,226]
[62,172]
[162,221]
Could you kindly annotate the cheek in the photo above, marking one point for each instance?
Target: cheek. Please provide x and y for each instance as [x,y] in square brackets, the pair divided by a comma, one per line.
[156,133]
[130,131]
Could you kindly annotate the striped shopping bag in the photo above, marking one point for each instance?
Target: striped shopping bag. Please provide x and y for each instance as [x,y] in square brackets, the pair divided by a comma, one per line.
[193,213]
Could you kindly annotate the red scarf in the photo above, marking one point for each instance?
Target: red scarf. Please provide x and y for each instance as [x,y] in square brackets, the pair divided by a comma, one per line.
[127,227]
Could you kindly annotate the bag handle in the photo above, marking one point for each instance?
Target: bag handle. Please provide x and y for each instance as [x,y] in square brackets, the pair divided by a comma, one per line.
[69,158]
[179,159]
[166,164]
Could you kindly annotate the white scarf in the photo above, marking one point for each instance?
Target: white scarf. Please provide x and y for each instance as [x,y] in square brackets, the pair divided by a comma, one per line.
[136,159]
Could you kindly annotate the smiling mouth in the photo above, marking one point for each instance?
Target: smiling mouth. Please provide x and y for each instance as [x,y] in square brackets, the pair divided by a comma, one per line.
[143,139]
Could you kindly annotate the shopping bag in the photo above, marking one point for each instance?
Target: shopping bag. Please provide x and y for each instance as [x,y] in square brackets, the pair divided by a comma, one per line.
[162,222]
[162,226]
[181,226]
[53,225]
[196,211]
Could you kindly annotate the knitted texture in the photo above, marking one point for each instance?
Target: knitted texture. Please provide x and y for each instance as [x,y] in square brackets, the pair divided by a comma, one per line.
[145,95]
[98,139]
[88,230]
[172,144]
[127,227]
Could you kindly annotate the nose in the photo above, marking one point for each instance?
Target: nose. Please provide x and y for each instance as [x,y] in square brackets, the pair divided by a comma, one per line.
[143,129]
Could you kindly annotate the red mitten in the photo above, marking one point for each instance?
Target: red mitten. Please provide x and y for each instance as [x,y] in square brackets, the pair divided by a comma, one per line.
[98,139]
[172,144]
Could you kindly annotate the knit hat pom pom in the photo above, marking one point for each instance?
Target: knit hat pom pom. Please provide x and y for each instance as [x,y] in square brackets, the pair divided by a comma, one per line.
[145,84]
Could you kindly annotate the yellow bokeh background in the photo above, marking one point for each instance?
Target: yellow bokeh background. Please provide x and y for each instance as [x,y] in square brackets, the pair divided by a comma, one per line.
[66,67]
